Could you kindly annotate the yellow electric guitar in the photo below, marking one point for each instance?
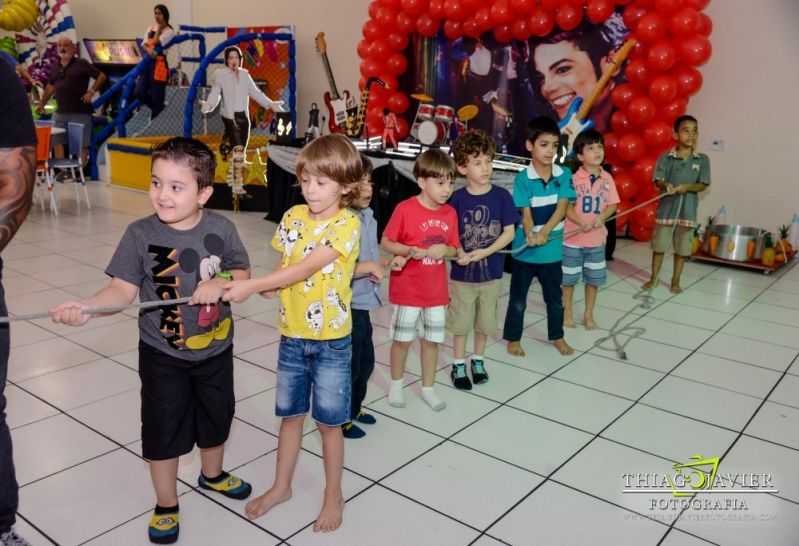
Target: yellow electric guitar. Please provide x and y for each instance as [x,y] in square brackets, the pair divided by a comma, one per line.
[576,119]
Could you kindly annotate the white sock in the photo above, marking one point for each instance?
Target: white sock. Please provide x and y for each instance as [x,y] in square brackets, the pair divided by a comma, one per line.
[432,399]
[477,357]
[459,361]
[396,397]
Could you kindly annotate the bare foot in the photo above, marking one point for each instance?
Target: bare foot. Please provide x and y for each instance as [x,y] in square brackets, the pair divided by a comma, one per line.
[590,323]
[515,348]
[675,288]
[563,347]
[330,517]
[569,323]
[648,285]
[260,506]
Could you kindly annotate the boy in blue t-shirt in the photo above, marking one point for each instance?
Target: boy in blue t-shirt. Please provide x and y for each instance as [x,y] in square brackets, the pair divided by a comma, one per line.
[486,220]
[542,192]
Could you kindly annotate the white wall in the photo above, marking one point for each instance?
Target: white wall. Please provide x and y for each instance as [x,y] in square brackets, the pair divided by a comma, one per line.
[748,96]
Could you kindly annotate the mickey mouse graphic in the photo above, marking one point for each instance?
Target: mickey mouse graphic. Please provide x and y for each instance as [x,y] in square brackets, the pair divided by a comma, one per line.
[206,268]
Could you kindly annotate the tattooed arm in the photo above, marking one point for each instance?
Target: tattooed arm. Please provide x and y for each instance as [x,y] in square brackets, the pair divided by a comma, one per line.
[17,176]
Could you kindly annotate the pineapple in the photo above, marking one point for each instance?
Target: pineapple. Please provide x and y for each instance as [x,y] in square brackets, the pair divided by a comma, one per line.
[768,251]
[696,242]
[783,245]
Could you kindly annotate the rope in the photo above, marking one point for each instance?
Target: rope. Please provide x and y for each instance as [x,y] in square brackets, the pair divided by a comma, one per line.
[101,310]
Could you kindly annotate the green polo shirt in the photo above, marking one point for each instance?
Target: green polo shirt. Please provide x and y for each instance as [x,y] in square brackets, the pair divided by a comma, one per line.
[677,171]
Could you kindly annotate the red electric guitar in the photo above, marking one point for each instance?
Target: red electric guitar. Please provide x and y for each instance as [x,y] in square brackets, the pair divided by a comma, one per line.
[336,104]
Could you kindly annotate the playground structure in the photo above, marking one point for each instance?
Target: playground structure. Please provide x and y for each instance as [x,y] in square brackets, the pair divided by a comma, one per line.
[130,134]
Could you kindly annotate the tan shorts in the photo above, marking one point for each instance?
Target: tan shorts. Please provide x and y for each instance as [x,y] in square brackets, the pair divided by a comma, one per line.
[661,237]
[472,307]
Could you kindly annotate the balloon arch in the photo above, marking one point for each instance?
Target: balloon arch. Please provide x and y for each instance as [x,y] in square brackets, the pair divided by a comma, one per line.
[659,77]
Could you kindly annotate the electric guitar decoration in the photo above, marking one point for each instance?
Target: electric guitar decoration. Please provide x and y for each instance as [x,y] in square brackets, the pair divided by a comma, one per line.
[576,119]
[356,118]
[336,104]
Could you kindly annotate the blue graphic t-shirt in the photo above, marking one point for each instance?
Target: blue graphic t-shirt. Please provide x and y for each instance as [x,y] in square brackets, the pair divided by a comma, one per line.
[481,220]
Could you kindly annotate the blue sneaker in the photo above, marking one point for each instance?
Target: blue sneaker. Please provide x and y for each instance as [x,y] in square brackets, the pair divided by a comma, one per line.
[460,379]
[479,374]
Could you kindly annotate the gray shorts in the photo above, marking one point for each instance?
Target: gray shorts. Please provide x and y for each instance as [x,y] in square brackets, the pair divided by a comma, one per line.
[681,237]
[61,120]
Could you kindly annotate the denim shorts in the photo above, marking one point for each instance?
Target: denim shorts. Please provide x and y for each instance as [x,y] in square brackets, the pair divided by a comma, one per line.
[307,366]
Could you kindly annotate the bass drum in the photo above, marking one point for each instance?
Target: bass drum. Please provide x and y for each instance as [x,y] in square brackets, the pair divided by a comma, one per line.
[431,132]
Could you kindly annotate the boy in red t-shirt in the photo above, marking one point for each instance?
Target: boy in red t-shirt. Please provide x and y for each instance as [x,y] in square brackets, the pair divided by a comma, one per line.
[421,232]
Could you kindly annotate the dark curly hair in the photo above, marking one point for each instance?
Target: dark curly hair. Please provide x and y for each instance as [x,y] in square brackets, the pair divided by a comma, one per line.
[472,142]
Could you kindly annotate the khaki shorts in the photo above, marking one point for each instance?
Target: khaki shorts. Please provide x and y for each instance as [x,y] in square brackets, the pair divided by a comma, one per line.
[661,237]
[472,307]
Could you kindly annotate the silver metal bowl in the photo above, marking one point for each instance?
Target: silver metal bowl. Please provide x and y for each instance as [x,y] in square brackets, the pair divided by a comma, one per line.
[733,242]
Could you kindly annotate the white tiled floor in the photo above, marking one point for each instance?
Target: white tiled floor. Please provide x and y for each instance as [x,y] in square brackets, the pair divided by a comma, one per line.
[536,456]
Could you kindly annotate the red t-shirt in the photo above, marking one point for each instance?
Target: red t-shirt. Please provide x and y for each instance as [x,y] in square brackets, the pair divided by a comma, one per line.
[421,283]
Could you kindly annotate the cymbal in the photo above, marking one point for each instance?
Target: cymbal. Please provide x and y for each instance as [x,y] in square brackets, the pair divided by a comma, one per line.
[422,97]
[467,112]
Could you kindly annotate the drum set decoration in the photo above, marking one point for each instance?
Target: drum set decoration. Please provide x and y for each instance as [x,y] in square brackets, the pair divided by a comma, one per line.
[439,125]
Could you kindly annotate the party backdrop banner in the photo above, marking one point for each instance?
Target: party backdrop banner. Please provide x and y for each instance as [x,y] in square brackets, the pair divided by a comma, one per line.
[513,60]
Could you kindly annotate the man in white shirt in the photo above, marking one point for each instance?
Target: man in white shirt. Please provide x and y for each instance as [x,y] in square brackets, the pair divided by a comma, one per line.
[234,86]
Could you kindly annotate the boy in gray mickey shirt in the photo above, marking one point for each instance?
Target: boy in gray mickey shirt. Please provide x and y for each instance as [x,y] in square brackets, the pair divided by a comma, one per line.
[185,351]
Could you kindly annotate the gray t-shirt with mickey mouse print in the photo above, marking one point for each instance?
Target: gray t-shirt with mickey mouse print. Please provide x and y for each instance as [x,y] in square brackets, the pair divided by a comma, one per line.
[166,263]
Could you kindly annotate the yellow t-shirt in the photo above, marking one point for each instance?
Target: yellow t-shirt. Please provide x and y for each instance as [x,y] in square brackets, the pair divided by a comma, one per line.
[318,307]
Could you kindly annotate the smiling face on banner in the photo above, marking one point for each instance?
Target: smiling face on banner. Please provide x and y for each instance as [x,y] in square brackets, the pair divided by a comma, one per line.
[516,59]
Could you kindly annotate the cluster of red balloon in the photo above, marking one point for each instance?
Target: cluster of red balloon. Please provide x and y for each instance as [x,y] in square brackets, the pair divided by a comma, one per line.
[661,74]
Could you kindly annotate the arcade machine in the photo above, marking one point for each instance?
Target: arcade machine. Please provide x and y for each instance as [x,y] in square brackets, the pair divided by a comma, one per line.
[115,58]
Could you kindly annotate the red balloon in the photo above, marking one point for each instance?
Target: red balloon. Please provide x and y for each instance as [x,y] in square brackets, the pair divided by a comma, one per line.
[641,111]
[374,120]
[541,22]
[522,7]
[405,23]
[599,10]
[398,41]
[402,128]
[398,102]
[667,6]
[631,147]
[698,5]
[645,216]
[622,220]
[386,18]
[397,64]
[454,10]
[472,5]
[395,4]
[370,67]
[694,50]
[669,111]
[436,9]
[550,5]
[637,73]
[651,27]
[632,14]
[364,48]
[705,25]
[641,233]
[380,49]
[684,21]
[378,96]
[426,26]
[619,122]
[569,16]
[688,80]
[501,13]
[625,185]
[470,28]
[373,7]
[414,7]
[519,29]
[371,30]
[642,173]
[611,146]
[657,135]
[453,29]
[482,18]
[389,81]
[662,88]
[662,56]
[621,95]
[502,33]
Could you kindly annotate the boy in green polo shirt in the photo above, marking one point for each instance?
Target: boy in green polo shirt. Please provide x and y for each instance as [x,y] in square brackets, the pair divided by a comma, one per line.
[682,173]
[541,192]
